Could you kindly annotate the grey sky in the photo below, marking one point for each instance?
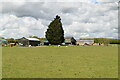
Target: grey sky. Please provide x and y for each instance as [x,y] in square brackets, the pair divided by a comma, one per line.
[88,18]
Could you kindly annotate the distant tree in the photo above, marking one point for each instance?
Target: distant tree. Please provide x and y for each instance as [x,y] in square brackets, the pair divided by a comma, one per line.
[86,39]
[96,40]
[2,38]
[114,41]
[42,39]
[55,32]
[105,41]
[10,40]
[16,40]
[30,36]
[34,37]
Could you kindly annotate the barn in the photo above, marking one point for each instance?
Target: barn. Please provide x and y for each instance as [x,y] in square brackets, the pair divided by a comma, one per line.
[70,41]
[29,42]
[44,41]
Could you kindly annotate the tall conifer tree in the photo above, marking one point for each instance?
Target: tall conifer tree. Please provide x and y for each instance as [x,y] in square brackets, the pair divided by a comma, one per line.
[55,32]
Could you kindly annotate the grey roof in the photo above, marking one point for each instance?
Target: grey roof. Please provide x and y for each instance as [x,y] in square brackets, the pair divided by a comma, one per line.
[67,37]
[33,39]
[3,41]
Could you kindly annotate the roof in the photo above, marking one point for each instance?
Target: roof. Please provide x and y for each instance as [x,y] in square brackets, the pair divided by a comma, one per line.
[45,40]
[67,40]
[33,39]
[67,37]
[3,40]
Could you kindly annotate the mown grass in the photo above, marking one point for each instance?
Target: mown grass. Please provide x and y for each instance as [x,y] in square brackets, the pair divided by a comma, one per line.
[60,62]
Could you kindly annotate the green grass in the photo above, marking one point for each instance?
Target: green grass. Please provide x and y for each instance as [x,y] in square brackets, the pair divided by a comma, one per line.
[62,62]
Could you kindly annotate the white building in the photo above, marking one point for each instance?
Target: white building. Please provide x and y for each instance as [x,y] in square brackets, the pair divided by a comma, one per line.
[85,42]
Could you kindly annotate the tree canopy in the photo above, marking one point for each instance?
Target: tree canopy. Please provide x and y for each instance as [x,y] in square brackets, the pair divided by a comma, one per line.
[55,32]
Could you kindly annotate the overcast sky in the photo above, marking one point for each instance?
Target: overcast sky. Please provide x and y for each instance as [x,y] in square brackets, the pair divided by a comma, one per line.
[80,18]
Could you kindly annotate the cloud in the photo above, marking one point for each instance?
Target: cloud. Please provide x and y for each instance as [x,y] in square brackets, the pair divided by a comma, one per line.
[79,19]
[108,0]
[12,26]
[21,1]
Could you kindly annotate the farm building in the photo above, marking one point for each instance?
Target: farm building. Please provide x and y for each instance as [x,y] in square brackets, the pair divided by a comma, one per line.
[3,42]
[44,41]
[70,41]
[85,42]
[29,42]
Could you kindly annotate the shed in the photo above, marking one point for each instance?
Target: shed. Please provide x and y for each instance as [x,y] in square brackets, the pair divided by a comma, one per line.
[29,42]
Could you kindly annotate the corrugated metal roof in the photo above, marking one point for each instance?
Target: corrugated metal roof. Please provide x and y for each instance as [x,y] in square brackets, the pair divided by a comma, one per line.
[33,39]
[67,40]
[3,40]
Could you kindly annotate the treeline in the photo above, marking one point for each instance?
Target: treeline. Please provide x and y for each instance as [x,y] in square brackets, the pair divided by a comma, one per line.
[103,40]
[114,41]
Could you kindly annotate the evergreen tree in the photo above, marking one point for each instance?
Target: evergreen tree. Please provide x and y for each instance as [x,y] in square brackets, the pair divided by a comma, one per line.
[55,32]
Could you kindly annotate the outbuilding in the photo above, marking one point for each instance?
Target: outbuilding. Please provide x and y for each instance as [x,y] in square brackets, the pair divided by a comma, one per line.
[29,42]
[85,42]
[69,41]
[3,42]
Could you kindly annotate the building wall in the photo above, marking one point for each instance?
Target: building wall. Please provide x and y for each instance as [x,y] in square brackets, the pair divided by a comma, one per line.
[23,42]
[83,42]
[34,43]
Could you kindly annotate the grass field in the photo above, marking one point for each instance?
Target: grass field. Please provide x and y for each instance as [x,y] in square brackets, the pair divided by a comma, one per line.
[60,62]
